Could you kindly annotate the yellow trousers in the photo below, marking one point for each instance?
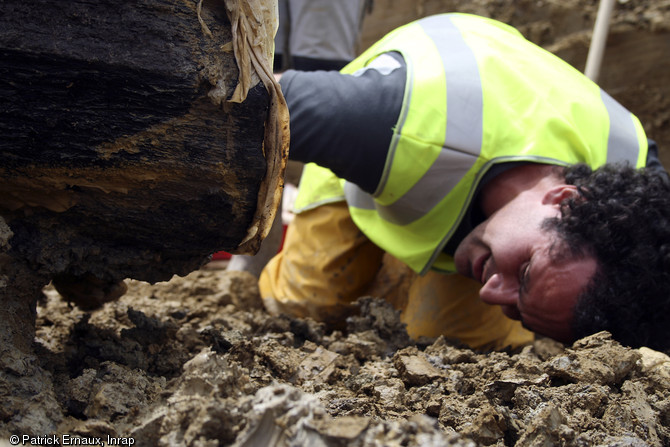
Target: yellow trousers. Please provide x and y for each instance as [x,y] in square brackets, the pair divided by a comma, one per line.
[327,263]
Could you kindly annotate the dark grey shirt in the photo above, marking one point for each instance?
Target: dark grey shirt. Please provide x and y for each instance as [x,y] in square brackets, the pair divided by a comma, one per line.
[345,122]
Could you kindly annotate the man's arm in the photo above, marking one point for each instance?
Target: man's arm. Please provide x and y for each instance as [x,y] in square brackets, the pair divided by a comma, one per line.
[342,122]
[345,122]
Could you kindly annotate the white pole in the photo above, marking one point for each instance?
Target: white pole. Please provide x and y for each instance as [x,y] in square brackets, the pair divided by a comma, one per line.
[599,39]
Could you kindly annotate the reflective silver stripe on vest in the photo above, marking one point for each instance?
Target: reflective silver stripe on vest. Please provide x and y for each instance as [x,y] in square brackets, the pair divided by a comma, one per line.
[463,139]
[622,143]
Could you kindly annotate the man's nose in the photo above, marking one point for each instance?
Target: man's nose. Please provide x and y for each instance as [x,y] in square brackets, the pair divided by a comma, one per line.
[498,291]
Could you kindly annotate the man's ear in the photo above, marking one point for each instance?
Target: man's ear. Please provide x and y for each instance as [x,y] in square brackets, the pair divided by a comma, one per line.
[558,194]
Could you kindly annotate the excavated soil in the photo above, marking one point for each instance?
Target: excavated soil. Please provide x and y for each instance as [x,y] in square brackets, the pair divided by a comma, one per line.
[196,361]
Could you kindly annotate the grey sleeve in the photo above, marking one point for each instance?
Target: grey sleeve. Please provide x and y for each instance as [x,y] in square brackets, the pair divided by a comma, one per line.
[344,122]
[653,162]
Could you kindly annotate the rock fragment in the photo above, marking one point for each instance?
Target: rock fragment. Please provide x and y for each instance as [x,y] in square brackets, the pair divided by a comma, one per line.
[414,367]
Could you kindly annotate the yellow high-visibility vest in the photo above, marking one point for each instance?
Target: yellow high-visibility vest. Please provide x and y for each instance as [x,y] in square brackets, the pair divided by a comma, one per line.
[477,94]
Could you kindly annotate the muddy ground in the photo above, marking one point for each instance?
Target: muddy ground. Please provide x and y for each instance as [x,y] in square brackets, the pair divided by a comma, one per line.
[198,362]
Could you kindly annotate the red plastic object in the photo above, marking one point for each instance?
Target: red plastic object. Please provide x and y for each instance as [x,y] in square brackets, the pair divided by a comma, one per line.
[221,256]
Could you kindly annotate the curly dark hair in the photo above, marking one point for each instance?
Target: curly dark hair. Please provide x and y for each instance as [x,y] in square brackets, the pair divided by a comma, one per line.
[622,217]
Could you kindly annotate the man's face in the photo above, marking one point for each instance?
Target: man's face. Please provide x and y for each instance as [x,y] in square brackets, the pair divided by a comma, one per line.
[511,255]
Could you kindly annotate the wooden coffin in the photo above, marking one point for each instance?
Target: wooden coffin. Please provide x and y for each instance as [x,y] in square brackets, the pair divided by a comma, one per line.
[137,136]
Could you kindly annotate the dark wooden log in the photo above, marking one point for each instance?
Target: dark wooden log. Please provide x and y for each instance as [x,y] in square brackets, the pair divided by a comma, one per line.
[119,154]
